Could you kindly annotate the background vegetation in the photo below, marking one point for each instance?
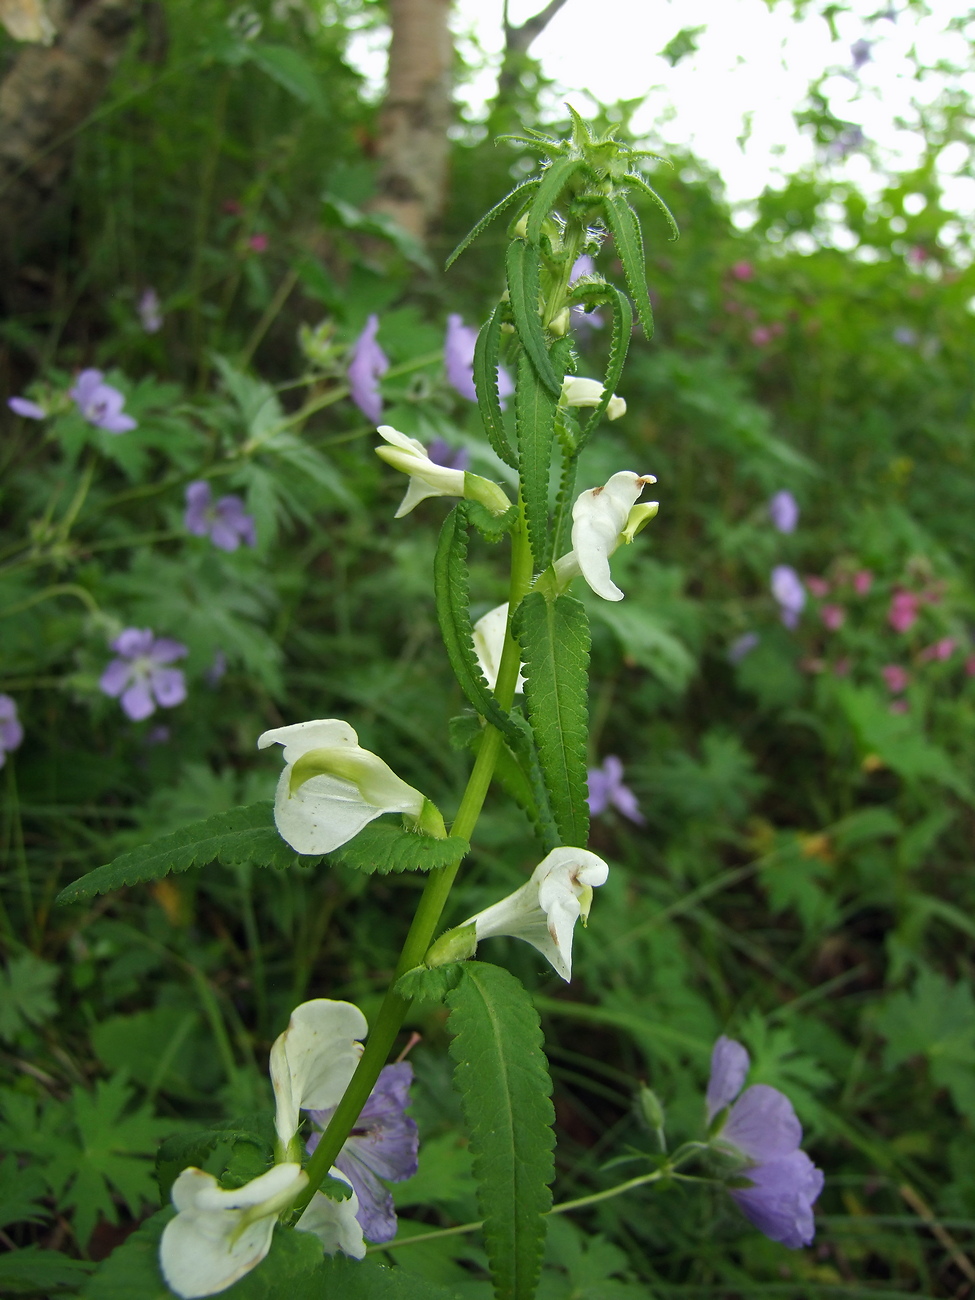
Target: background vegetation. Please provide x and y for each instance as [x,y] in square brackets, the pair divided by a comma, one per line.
[803,881]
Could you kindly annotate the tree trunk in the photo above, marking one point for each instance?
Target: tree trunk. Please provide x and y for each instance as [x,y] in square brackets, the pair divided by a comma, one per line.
[45,97]
[413,122]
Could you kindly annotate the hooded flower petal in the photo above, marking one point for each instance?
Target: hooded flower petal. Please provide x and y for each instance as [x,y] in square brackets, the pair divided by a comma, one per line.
[338,786]
[335,1223]
[217,1236]
[313,1060]
[577,391]
[599,521]
[544,911]
[427,479]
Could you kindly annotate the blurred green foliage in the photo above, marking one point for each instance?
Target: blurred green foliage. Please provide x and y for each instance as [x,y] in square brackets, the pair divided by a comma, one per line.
[804,879]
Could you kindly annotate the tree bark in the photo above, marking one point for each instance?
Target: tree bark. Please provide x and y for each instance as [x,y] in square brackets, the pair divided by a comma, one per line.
[413,144]
[516,44]
[45,97]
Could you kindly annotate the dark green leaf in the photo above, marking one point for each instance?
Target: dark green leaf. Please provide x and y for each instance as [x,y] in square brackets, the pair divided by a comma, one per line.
[622,330]
[291,70]
[33,1271]
[554,639]
[535,409]
[425,985]
[182,1150]
[635,179]
[26,994]
[486,353]
[553,182]
[453,613]
[521,191]
[503,1080]
[241,835]
[625,228]
[348,1279]
[523,290]
[382,846]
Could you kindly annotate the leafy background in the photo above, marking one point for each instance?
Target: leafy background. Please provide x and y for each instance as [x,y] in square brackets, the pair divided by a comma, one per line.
[803,881]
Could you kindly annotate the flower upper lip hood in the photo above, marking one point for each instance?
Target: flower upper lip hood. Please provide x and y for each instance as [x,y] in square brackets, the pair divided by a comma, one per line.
[427,479]
[603,518]
[577,391]
[331,787]
[545,909]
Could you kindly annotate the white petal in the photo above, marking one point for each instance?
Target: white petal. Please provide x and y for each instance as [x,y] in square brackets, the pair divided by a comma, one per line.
[314,1059]
[397,439]
[321,815]
[300,737]
[489,632]
[220,1235]
[598,519]
[334,1222]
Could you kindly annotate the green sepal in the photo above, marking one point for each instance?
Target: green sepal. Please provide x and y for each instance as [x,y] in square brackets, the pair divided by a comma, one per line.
[382,847]
[521,265]
[453,612]
[242,835]
[458,944]
[554,640]
[487,351]
[554,180]
[492,527]
[430,821]
[503,1080]
[520,191]
[625,228]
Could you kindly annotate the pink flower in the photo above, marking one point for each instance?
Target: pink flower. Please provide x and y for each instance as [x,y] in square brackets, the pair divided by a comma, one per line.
[833,616]
[743,271]
[903,610]
[942,649]
[258,243]
[761,335]
[896,677]
[818,586]
[862,581]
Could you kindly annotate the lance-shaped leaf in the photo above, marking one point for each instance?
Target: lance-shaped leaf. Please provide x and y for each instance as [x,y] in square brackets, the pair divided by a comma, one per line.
[451,588]
[502,1077]
[535,410]
[521,266]
[634,178]
[554,639]
[554,180]
[521,191]
[622,330]
[241,835]
[625,227]
[486,352]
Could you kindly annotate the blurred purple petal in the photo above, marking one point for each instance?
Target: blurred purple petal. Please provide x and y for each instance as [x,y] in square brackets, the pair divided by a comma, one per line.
[763,1124]
[441,453]
[729,1065]
[85,385]
[742,646]
[606,787]
[217,669]
[25,407]
[164,650]
[133,641]
[114,678]
[137,702]
[11,732]
[368,363]
[789,593]
[150,313]
[197,504]
[779,1203]
[458,355]
[168,685]
[783,511]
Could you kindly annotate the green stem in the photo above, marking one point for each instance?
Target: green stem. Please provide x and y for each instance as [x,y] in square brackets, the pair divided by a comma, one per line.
[430,908]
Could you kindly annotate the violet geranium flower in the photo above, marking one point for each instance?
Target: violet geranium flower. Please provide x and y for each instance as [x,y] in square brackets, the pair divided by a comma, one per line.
[27,409]
[777,1184]
[458,357]
[789,593]
[606,789]
[140,676]
[783,510]
[100,403]
[11,732]
[225,522]
[368,364]
[383,1144]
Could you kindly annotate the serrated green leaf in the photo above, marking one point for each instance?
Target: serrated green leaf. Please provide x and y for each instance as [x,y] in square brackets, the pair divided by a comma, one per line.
[554,639]
[33,1271]
[26,994]
[453,613]
[622,331]
[517,768]
[502,1077]
[487,350]
[636,179]
[535,409]
[625,228]
[182,1150]
[426,985]
[520,191]
[521,266]
[554,180]
[382,846]
[242,835]
[21,1191]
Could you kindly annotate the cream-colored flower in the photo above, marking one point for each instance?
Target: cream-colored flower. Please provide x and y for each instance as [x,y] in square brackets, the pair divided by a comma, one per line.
[602,519]
[545,909]
[331,787]
[428,479]
[313,1061]
[577,391]
[489,634]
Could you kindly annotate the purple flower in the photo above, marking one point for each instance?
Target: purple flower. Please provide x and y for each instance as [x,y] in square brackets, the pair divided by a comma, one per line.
[150,312]
[783,510]
[11,732]
[368,363]
[383,1144]
[100,403]
[225,523]
[789,592]
[25,407]
[138,674]
[215,673]
[606,787]
[441,453]
[741,646]
[780,1181]
[458,357]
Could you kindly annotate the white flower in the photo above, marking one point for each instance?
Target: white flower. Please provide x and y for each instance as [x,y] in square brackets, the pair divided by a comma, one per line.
[602,519]
[220,1235]
[427,479]
[545,909]
[577,391]
[313,1061]
[331,787]
[334,1223]
[489,632]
